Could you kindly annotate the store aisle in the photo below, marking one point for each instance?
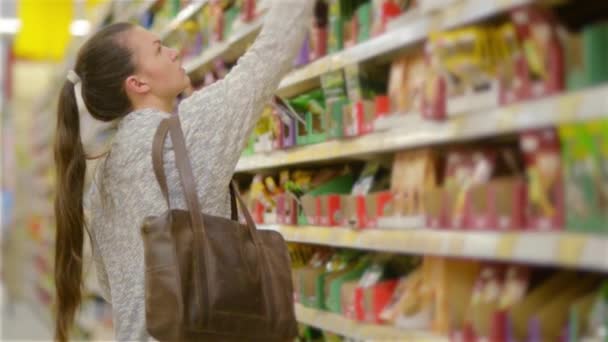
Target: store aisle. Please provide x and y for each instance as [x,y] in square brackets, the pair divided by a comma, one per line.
[21,322]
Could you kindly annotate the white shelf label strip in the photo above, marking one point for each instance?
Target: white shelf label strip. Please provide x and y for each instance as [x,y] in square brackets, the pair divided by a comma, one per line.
[545,248]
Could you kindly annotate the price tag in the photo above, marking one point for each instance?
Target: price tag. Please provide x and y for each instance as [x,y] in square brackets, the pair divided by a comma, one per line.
[336,62]
[504,4]
[457,125]
[415,242]
[456,244]
[324,236]
[435,23]
[569,106]
[506,118]
[505,246]
[433,243]
[296,155]
[347,237]
[287,232]
[454,12]
[570,249]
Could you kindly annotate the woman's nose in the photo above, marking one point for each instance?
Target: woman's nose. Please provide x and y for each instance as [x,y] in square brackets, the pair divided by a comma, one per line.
[174,54]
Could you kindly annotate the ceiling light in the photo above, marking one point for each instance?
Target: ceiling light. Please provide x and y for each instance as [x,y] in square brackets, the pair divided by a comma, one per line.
[9,25]
[80,27]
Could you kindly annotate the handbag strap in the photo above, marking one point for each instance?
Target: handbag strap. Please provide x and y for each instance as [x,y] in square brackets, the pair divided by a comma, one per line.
[157,162]
[172,126]
[189,187]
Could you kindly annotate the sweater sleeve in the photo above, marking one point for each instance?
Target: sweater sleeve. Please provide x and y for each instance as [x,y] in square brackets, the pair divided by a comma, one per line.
[219,119]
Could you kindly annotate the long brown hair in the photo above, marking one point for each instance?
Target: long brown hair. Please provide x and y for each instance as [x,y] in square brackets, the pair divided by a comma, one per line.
[103,63]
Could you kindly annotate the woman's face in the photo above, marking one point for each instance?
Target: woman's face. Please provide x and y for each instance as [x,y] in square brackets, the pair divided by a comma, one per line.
[157,66]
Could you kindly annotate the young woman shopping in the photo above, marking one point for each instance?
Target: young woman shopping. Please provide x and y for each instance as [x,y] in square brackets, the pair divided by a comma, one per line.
[126,81]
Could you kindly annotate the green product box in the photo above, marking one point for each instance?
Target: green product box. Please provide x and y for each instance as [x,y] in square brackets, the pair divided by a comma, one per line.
[364,17]
[595,49]
[583,179]
[175,6]
[599,134]
[248,150]
[333,84]
[586,54]
[340,12]
[334,298]
[334,117]
[335,40]
[307,278]
[339,185]
[316,127]
[302,131]
[230,16]
[312,128]
[334,89]
[576,76]
[323,285]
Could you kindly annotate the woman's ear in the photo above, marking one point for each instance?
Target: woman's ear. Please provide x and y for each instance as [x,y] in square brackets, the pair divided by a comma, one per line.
[136,86]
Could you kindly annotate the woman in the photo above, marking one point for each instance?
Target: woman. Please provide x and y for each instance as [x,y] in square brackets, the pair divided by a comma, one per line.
[126,78]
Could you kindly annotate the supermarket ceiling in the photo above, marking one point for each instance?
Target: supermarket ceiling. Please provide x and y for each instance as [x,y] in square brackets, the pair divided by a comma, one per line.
[44,28]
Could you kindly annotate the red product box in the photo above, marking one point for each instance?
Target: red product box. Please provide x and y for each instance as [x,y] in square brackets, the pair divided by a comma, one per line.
[248,10]
[258,212]
[537,32]
[482,208]
[457,207]
[361,209]
[218,25]
[384,205]
[435,209]
[368,208]
[348,215]
[389,9]
[370,301]
[510,198]
[434,99]
[545,186]
[359,118]
[287,210]
[329,209]
[382,106]
[371,205]
[497,205]
[319,43]
[310,209]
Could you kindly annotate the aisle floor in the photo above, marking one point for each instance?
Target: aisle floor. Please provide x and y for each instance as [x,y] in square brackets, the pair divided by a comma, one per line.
[20,322]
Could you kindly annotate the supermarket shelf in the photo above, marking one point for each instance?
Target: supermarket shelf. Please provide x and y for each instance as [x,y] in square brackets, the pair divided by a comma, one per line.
[412,131]
[185,14]
[404,31]
[367,332]
[232,48]
[138,11]
[543,248]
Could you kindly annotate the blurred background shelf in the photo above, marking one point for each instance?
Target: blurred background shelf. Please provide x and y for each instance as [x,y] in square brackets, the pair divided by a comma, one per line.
[581,251]
[358,331]
[409,131]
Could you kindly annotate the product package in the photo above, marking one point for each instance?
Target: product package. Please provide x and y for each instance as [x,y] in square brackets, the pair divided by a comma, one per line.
[583,177]
[542,70]
[414,174]
[545,204]
[334,89]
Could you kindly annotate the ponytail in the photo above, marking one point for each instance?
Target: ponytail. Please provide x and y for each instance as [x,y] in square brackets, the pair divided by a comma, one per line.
[103,63]
[69,213]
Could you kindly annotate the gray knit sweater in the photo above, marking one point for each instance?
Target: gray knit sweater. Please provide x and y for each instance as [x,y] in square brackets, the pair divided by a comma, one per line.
[216,122]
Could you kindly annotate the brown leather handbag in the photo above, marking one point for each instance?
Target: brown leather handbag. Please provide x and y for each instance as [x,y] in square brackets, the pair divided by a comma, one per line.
[209,278]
